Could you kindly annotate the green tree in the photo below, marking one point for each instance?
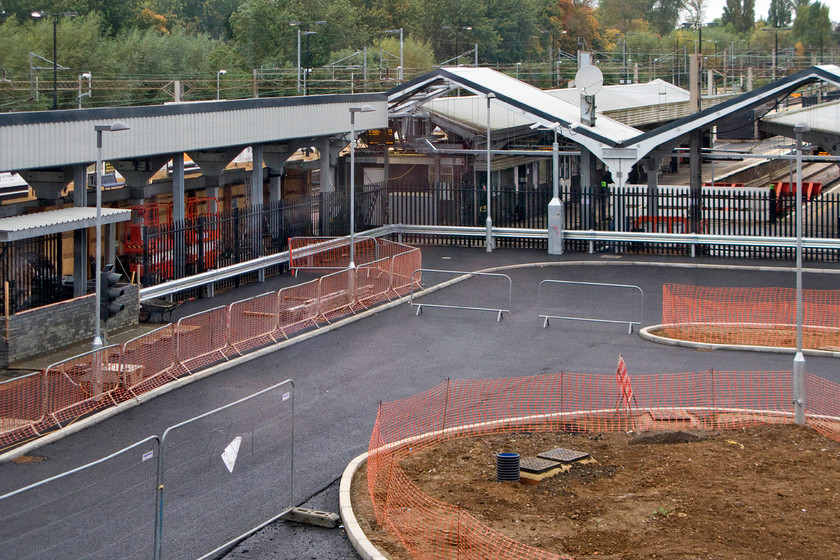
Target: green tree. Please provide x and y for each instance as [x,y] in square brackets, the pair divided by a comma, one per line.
[664,15]
[812,27]
[779,14]
[739,14]
[624,15]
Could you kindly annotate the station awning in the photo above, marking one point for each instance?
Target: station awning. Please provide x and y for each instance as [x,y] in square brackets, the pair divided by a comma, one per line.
[56,221]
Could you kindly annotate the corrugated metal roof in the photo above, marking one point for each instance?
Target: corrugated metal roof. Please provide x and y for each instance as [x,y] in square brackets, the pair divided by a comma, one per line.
[56,221]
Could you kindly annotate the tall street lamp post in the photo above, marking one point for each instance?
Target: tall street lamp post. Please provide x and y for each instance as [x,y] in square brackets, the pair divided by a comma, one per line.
[218,74]
[799,358]
[489,221]
[100,128]
[301,33]
[402,62]
[55,16]
[353,111]
[456,29]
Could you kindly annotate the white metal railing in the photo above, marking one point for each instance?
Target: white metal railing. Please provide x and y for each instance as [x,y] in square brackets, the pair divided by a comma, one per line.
[464,275]
[635,320]
[592,236]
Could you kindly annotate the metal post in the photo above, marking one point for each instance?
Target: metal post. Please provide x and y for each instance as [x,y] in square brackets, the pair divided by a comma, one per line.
[55,64]
[489,221]
[218,74]
[97,338]
[100,128]
[298,61]
[353,111]
[799,358]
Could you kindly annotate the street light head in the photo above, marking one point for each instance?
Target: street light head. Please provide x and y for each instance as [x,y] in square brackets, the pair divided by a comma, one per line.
[37,15]
[115,126]
[223,72]
[362,109]
[491,95]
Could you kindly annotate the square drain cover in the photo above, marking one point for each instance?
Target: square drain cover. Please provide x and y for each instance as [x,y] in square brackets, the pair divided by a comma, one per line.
[536,466]
[563,455]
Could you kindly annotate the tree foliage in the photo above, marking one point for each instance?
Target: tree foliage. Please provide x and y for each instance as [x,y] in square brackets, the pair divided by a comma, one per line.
[779,14]
[812,27]
[739,14]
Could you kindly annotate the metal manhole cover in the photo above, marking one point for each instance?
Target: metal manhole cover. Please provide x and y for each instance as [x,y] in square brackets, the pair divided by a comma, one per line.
[536,466]
[563,455]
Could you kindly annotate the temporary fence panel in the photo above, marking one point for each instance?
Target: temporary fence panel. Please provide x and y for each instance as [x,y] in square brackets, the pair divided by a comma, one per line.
[336,294]
[253,322]
[297,307]
[709,400]
[202,338]
[757,316]
[329,253]
[150,360]
[225,473]
[102,510]
[22,408]
[590,301]
[373,282]
[83,384]
[403,265]
[475,291]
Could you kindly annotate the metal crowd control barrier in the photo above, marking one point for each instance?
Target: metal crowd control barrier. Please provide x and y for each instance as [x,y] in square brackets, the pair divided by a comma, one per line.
[224,475]
[498,310]
[22,407]
[629,322]
[102,510]
[82,384]
[253,321]
[202,338]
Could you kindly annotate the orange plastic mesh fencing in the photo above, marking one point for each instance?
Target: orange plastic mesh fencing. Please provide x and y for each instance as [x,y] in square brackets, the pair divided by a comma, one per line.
[202,338]
[329,253]
[754,316]
[22,408]
[373,282]
[297,307]
[150,360]
[568,402]
[336,294]
[403,266]
[36,403]
[83,384]
[253,322]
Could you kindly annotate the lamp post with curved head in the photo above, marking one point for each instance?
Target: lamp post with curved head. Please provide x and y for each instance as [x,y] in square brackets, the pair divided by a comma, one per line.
[799,358]
[353,111]
[489,221]
[55,16]
[402,64]
[303,31]
[100,128]
[219,74]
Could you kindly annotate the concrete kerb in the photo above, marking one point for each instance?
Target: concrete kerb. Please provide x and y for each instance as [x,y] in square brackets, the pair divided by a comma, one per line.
[108,413]
[648,334]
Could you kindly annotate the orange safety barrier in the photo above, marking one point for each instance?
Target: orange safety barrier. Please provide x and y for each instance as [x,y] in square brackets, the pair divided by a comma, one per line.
[329,253]
[202,338]
[31,405]
[297,307]
[336,294]
[754,316]
[810,189]
[431,529]
[402,272]
[373,282]
[22,408]
[670,222]
[253,322]
[150,360]
[83,384]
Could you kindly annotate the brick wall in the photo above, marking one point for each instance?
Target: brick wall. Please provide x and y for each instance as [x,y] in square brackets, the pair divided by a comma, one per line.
[46,329]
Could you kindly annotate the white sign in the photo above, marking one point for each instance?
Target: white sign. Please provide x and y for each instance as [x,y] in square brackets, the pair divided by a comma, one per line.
[231,452]
[148,455]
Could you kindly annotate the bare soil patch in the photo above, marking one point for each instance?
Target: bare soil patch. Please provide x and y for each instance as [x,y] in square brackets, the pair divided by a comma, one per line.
[767,491]
[781,336]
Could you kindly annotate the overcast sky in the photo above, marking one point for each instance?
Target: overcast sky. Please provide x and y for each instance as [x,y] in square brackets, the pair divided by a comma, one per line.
[715,9]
